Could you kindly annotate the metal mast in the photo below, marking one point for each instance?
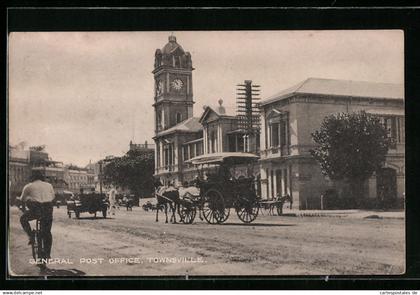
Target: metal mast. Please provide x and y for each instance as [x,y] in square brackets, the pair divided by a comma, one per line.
[247,110]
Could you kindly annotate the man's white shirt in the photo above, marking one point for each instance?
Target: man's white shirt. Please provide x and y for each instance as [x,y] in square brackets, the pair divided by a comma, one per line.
[38,191]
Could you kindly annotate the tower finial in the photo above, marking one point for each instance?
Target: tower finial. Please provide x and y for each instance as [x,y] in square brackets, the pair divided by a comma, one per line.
[221,109]
[172,38]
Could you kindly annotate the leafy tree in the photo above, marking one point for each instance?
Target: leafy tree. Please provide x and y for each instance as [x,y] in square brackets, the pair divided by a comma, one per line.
[74,167]
[134,171]
[351,146]
[37,148]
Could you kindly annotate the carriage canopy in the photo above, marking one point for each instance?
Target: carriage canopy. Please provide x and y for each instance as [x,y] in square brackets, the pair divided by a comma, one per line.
[233,158]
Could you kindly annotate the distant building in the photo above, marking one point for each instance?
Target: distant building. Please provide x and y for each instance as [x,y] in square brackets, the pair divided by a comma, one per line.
[19,171]
[23,162]
[79,178]
[146,147]
[53,171]
[289,118]
[95,171]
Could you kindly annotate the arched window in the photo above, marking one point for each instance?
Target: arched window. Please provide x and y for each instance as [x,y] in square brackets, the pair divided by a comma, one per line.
[178,118]
[159,120]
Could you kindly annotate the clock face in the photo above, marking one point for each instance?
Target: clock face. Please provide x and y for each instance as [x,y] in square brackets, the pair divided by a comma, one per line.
[159,88]
[177,84]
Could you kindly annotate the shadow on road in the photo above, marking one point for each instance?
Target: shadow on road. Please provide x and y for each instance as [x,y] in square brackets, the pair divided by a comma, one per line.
[92,218]
[258,224]
[62,272]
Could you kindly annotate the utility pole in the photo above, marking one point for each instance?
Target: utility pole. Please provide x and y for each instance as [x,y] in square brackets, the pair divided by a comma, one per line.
[248,111]
[100,177]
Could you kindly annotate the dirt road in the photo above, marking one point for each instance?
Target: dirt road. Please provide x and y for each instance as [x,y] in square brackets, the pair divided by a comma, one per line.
[133,244]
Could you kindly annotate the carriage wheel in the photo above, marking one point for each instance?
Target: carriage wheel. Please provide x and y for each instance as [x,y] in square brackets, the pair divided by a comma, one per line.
[187,213]
[247,210]
[214,210]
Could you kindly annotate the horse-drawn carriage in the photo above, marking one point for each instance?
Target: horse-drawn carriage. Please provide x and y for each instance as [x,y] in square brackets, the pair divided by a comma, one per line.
[219,190]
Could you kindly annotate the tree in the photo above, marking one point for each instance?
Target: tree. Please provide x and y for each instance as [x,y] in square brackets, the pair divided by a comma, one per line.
[37,148]
[134,171]
[351,146]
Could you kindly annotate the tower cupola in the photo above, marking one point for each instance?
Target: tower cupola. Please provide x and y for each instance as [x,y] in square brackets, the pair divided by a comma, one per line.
[173,55]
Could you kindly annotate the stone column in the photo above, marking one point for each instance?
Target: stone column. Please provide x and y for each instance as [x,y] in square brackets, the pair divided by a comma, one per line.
[294,186]
[263,134]
[283,183]
[275,182]
[156,155]
[162,160]
[264,192]
[269,192]
[205,145]
[220,139]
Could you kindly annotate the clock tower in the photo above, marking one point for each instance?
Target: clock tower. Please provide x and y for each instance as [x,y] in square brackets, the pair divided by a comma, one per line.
[173,95]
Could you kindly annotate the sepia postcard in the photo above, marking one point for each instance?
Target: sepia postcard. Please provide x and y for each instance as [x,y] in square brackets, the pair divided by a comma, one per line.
[206,153]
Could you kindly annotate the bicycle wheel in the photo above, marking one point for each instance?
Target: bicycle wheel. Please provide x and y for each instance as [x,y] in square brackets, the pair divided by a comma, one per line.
[35,245]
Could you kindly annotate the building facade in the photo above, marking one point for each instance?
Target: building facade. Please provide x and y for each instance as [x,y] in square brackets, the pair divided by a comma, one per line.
[23,162]
[178,135]
[289,118]
[284,142]
[53,171]
[173,104]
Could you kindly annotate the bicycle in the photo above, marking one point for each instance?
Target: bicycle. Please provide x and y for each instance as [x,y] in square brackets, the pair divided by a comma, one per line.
[37,241]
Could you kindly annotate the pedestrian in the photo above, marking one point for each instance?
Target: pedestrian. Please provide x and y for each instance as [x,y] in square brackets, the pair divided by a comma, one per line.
[38,197]
[112,200]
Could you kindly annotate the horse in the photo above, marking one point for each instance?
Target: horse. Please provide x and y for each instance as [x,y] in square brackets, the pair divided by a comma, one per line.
[166,196]
[148,206]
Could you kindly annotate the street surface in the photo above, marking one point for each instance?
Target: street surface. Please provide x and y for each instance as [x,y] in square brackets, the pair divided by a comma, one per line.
[133,244]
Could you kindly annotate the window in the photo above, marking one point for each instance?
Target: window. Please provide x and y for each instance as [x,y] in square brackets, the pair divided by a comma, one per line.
[283,133]
[199,149]
[240,138]
[395,128]
[192,150]
[402,129]
[178,118]
[185,152]
[257,139]
[275,135]
[279,132]
[159,120]
[166,156]
[212,142]
[232,142]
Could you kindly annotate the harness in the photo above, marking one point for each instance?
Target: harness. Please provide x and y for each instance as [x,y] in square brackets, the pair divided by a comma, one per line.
[161,190]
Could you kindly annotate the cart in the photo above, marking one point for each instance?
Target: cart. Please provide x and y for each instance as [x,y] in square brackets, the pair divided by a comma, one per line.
[91,203]
[277,204]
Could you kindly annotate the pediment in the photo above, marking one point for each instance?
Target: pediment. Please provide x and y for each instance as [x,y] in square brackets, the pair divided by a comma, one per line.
[209,115]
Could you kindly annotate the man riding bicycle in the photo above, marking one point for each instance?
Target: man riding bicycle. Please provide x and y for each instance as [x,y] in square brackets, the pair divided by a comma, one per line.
[38,197]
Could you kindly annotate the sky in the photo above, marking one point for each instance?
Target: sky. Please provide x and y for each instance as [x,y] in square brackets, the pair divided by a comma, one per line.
[85,95]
